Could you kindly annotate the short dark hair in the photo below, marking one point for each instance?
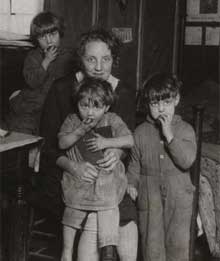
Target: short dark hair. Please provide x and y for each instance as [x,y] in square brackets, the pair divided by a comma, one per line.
[45,22]
[161,86]
[103,35]
[98,91]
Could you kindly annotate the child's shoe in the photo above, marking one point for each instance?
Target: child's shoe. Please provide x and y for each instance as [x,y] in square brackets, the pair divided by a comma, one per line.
[108,253]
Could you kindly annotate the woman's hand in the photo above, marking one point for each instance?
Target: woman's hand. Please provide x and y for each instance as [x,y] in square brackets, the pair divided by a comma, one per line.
[96,143]
[86,171]
[82,170]
[111,158]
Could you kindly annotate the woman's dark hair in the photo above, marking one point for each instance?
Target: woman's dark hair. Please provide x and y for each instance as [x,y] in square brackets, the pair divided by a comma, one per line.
[45,22]
[100,34]
[161,86]
[97,91]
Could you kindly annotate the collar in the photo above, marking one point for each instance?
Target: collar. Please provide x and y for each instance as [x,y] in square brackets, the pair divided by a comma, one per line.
[112,80]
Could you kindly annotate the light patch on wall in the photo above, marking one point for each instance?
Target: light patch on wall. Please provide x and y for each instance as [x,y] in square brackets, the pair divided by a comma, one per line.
[212,36]
[26,7]
[193,35]
[123,33]
[203,10]
[16,15]
[4,6]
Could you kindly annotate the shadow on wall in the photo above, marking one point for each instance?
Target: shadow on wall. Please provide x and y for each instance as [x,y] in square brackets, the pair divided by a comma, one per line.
[207,94]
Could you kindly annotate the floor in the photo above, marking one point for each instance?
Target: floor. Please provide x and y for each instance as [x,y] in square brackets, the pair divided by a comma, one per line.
[46,243]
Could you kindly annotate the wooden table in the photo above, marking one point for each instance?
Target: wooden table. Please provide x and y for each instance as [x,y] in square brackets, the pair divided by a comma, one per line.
[20,144]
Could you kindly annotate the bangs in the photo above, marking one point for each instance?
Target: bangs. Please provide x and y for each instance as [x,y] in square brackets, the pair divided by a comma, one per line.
[157,95]
[91,98]
[45,29]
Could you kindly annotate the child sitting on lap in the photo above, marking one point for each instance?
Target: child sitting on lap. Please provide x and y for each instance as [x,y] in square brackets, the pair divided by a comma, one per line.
[86,136]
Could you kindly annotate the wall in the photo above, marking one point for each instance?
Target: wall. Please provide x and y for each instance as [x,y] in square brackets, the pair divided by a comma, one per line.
[150,48]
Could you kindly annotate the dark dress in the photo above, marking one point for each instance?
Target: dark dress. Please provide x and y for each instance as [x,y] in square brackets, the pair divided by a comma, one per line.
[25,108]
[57,106]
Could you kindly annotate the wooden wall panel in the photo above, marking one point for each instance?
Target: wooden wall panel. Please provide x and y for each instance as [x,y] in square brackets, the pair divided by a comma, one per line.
[77,16]
[110,16]
[158,36]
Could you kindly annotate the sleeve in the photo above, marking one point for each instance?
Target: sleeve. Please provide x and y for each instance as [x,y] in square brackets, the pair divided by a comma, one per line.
[183,147]
[134,165]
[119,127]
[51,120]
[34,73]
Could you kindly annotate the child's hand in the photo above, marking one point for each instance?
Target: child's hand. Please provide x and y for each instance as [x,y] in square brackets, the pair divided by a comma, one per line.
[166,127]
[96,143]
[87,124]
[132,191]
[51,53]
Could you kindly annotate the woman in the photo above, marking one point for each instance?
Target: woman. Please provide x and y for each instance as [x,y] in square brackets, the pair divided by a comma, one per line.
[98,51]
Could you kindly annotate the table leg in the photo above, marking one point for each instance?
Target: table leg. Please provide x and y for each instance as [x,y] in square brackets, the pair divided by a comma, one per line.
[19,214]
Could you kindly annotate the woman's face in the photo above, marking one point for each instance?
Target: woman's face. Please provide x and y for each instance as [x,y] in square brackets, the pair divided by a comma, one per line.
[97,60]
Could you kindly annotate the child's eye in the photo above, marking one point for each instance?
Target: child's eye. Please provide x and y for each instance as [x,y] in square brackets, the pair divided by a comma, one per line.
[154,104]
[54,33]
[167,102]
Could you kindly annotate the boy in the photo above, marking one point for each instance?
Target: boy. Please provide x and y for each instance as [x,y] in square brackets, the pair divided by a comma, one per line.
[80,137]
[158,173]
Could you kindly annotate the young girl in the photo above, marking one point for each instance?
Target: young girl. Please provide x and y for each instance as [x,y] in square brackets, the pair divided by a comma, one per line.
[79,134]
[158,173]
[44,64]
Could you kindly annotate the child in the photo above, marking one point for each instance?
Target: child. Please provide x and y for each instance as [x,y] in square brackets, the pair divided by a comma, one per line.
[44,64]
[158,173]
[79,135]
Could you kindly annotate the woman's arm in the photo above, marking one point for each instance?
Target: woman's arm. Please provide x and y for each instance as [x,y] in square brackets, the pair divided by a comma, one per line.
[82,170]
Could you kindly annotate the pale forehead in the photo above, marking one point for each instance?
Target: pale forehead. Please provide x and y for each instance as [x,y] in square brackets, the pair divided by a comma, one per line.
[97,48]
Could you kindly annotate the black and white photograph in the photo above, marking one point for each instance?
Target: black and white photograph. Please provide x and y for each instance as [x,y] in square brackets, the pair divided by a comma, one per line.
[110,130]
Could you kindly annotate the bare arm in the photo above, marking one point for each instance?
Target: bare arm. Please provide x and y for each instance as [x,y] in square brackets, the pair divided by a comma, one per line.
[68,139]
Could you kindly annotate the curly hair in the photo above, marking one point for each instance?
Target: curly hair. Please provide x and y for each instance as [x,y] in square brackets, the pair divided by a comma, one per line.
[100,34]
[45,22]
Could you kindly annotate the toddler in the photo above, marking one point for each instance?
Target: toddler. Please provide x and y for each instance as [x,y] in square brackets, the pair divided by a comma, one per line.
[85,136]
[159,173]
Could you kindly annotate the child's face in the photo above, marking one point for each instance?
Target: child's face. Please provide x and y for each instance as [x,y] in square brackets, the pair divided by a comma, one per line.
[163,107]
[49,39]
[89,110]
[97,60]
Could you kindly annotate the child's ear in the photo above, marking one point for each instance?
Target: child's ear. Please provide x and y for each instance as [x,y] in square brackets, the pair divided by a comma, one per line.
[107,108]
[177,99]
